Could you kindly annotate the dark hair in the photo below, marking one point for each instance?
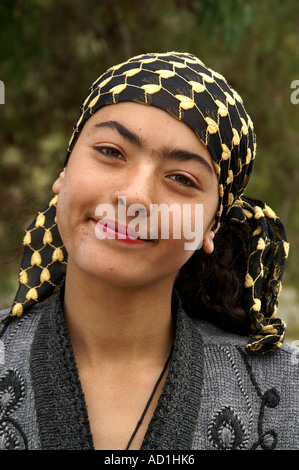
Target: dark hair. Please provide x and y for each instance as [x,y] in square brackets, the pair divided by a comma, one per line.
[211,286]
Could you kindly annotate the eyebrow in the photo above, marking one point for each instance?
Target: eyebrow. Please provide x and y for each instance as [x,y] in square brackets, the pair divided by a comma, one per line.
[123,131]
[184,155]
[166,154]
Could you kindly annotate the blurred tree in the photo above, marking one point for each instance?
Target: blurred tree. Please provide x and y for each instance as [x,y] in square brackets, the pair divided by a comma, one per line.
[50,52]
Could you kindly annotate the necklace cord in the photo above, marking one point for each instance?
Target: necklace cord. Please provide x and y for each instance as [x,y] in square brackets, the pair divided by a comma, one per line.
[149,401]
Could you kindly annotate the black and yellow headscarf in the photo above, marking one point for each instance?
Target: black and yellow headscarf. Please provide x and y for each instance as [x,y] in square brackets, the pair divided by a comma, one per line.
[183,86]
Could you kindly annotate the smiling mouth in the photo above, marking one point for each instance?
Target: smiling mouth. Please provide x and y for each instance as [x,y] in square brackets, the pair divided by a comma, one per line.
[113,230]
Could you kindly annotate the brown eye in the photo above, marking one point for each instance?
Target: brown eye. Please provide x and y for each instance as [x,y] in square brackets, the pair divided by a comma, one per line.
[183,180]
[110,152]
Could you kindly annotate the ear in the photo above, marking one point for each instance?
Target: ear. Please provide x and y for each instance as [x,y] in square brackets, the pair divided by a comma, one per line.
[208,242]
[58,183]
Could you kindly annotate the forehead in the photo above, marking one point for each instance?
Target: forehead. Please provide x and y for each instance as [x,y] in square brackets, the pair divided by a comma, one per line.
[147,122]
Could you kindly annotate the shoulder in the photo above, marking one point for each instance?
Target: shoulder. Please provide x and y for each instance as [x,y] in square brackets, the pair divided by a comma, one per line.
[14,321]
[4,313]
[254,397]
[17,333]
[215,335]
[279,363]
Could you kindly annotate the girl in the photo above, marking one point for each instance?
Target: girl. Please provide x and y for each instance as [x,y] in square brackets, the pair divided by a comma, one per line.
[119,339]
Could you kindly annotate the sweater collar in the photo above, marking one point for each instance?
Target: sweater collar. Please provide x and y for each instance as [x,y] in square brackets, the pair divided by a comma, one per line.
[173,423]
[60,403]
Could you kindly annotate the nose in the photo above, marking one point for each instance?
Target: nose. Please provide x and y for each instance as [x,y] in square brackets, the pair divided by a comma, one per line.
[137,187]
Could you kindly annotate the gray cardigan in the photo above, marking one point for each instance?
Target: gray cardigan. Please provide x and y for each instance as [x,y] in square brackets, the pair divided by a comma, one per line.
[216,395]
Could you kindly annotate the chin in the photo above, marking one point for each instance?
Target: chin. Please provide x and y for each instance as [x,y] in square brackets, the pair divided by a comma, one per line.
[115,274]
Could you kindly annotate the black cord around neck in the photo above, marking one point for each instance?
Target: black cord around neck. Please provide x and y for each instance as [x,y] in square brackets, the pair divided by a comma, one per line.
[149,401]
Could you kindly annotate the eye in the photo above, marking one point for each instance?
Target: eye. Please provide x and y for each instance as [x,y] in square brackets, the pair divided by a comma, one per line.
[183,181]
[110,152]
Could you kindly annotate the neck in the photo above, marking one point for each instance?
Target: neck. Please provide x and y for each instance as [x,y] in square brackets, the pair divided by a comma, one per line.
[110,322]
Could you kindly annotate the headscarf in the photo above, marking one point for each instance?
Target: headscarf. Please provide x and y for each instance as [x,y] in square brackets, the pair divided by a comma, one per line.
[181,85]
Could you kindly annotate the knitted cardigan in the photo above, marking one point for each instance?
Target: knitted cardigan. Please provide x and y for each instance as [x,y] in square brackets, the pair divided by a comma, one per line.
[216,395]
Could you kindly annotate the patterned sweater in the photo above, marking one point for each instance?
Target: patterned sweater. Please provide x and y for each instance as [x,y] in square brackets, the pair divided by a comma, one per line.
[216,395]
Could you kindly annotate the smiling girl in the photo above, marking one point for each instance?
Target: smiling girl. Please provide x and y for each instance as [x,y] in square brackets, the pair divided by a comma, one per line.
[121,341]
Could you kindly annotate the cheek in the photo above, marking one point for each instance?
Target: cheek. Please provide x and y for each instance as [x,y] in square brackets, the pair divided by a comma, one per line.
[69,208]
[210,208]
[192,225]
[174,254]
[62,217]
[65,204]
[79,195]
[77,192]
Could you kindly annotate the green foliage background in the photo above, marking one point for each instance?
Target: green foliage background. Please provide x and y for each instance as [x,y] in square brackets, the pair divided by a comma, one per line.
[50,53]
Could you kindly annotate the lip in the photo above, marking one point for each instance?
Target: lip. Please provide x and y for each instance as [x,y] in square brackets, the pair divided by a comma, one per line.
[119,232]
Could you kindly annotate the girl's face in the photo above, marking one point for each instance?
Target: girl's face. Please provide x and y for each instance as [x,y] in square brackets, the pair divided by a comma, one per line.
[127,154]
